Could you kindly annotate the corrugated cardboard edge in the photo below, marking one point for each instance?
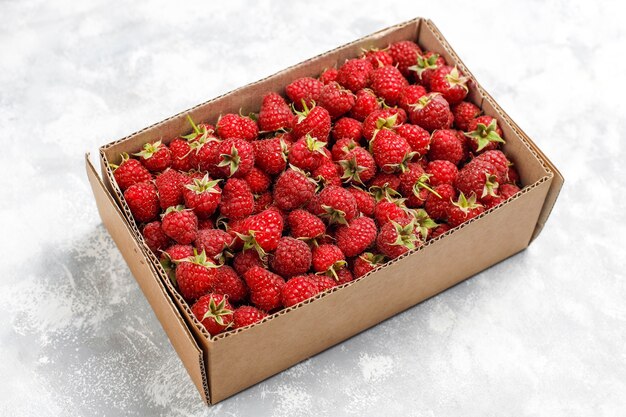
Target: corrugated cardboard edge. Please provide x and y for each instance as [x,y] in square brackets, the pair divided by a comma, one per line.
[168,315]
[557,181]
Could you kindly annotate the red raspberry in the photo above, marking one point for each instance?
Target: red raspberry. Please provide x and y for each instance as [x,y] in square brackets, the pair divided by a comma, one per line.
[315,122]
[418,138]
[155,156]
[308,153]
[143,201]
[508,190]
[214,312]
[328,258]
[463,210]
[356,236]
[230,284]
[426,66]
[293,189]
[379,58]
[366,262]
[464,113]
[450,83]
[195,276]
[298,289]
[344,276]
[355,74]
[245,260]
[339,204]
[237,199]
[365,103]
[275,113]
[180,224]
[265,288]
[305,225]
[169,186]
[205,155]
[234,126]
[262,231]
[342,147]
[445,145]
[404,54]
[305,89]
[262,202]
[329,75]
[439,230]
[247,315]
[271,155]
[130,172]
[347,128]
[441,172]
[384,182]
[411,95]
[154,236]
[513,175]
[479,178]
[323,282]
[365,201]
[386,211]
[358,166]
[431,112]
[397,238]
[391,151]
[388,83]
[437,203]
[236,158]
[214,242]
[382,119]
[336,100]
[258,181]
[181,155]
[484,134]
[499,160]
[291,257]
[202,196]
[327,174]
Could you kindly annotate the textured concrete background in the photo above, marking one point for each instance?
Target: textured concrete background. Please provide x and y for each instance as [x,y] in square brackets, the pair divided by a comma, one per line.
[543,333]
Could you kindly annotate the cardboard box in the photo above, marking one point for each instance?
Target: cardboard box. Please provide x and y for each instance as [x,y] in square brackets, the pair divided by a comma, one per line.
[228,363]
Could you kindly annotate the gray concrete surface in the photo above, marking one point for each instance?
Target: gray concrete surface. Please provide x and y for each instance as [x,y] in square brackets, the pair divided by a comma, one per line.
[543,333]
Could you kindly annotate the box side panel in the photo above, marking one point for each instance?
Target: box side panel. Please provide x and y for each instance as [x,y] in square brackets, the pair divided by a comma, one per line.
[175,328]
[263,350]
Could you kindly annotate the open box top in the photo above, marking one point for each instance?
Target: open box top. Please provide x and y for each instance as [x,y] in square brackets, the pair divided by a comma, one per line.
[195,346]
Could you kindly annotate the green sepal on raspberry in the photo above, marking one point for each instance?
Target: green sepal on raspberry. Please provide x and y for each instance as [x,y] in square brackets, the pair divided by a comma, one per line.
[423,184]
[230,160]
[250,242]
[351,170]
[384,192]
[314,145]
[198,259]
[403,166]
[203,185]
[424,63]
[456,79]
[217,311]
[485,134]
[149,149]
[466,204]
[406,235]
[305,110]
[333,215]
[424,223]
[491,185]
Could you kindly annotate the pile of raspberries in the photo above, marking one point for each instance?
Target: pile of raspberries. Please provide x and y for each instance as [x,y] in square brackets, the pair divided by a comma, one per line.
[325,184]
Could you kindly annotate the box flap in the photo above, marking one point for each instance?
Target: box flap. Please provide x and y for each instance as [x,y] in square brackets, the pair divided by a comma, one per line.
[173,324]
